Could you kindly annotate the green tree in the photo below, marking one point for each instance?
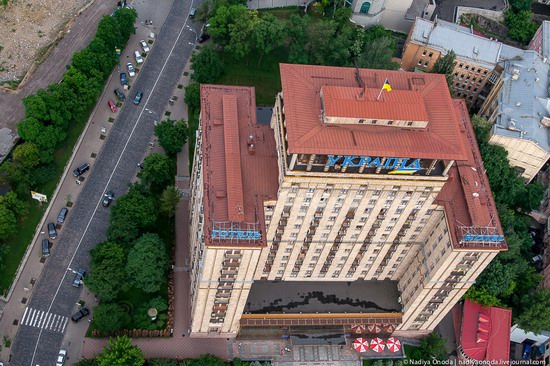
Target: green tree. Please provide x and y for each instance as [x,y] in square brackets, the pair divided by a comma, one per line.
[334,53]
[121,352]
[109,317]
[377,54]
[107,276]
[224,16]
[433,347]
[535,315]
[132,212]
[481,296]
[498,279]
[207,65]
[445,65]
[157,171]
[169,201]
[172,135]
[519,5]
[17,177]
[148,250]
[27,154]
[520,25]
[8,222]
[162,362]
[87,362]
[267,35]
[297,30]
[193,96]
[141,318]
[207,360]
[241,33]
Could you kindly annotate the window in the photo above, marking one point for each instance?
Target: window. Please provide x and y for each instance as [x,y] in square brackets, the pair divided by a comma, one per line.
[294,235]
[328,227]
[389,228]
[343,192]
[418,229]
[426,63]
[324,235]
[297,226]
[390,122]
[318,250]
[413,237]
[365,7]
[285,258]
[388,202]
[467,67]
[420,62]
[303,209]
[429,212]
[393,219]
[363,219]
[358,227]
[409,123]
[460,65]
[399,211]
[424,53]
[372,202]
[368,210]
[431,54]
[332,218]
[280,272]
[336,210]
[492,78]
[310,190]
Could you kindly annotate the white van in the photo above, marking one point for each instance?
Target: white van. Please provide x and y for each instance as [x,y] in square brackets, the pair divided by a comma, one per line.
[139,59]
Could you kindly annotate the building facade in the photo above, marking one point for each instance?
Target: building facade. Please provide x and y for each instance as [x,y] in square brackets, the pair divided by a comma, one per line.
[397,15]
[355,205]
[477,57]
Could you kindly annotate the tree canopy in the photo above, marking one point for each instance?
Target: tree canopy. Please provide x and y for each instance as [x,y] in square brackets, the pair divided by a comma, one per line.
[207,65]
[109,317]
[520,25]
[107,276]
[172,135]
[157,170]
[445,65]
[147,263]
[121,352]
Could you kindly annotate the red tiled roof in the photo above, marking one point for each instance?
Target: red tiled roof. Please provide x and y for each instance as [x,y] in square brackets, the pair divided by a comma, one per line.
[467,197]
[235,182]
[486,333]
[343,101]
[307,134]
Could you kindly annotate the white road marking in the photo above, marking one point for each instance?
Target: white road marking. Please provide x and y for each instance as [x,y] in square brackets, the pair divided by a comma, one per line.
[44,320]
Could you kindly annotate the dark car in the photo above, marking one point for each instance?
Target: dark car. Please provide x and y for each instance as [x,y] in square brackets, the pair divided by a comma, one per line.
[62,215]
[138,97]
[82,313]
[107,198]
[81,169]
[45,247]
[120,95]
[78,277]
[203,38]
[123,79]
[52,232]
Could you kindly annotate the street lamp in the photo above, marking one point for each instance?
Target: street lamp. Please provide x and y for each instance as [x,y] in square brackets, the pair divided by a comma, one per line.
[194,31]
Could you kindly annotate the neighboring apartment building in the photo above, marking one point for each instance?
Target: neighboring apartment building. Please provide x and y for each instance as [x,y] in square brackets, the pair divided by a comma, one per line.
[355,207]
[397,15]
[530,346]
[477,57]
[519,109]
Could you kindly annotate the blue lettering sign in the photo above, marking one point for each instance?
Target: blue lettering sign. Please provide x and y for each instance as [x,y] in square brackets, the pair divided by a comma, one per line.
[238,234]
[398,164]
[483,238]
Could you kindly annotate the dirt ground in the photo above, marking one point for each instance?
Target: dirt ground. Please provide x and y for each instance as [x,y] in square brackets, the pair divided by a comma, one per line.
[27,28]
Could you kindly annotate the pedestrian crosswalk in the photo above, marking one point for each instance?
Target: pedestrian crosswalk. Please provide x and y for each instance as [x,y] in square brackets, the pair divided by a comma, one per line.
[43,319]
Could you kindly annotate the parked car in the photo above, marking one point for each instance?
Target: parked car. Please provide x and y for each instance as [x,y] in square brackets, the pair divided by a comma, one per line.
[62,215]
[144,46]
[81,169]
[112,105]
[192,13]
[108,198]
[61,358]
[123,79]
[139,59]
[203,38]
[45,247]
[137,98]
[78,277]
[52,232]
[120,95]
[131,70]
[82,313]
[537,259]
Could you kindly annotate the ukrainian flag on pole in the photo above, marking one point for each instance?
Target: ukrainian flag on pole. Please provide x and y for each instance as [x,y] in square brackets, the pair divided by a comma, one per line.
[387,85]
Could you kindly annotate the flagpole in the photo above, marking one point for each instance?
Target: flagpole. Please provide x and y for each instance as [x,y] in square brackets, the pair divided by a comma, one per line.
[379,94]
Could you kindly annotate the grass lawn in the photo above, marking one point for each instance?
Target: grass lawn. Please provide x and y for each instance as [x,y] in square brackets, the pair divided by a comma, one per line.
[265,77]
[283,13]
[26,228]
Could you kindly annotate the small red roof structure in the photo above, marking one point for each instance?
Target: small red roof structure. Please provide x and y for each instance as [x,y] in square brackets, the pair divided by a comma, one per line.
[485,334]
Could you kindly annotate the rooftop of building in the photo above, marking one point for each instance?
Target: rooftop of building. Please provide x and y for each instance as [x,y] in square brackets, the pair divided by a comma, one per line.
[467,197]
[524,100]
[445,36]
[485,333]
[518,335]
[294,297]
[425,95]
[239,166]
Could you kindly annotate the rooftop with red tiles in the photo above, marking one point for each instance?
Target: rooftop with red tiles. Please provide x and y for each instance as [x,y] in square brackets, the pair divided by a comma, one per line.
[419,96]
[239,166]
[485,333]
[467,196]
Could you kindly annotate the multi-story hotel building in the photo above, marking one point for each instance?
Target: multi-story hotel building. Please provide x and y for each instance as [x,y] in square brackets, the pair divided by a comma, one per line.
[354,206]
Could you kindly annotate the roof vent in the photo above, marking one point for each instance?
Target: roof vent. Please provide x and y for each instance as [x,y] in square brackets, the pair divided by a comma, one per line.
[518,104]
[537,80]
[545,60]
[476,50]
[251,145]
[515,74]
[512,125]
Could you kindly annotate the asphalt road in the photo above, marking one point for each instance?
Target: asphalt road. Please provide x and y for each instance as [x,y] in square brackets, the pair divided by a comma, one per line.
[54,298]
